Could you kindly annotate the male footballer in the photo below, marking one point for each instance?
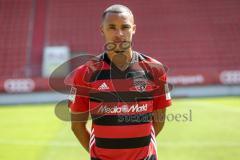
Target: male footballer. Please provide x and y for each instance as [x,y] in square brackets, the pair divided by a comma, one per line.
[123,91]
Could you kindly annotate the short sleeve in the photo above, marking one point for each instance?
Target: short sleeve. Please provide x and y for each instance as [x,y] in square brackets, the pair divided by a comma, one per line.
[77,101]
[163,98]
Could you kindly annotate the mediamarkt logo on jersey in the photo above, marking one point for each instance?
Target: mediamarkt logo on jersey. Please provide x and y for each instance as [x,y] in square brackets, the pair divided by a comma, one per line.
[123,109]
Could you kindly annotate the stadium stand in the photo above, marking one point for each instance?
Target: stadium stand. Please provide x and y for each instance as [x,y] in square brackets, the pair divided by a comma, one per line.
[198,40]
[15,32]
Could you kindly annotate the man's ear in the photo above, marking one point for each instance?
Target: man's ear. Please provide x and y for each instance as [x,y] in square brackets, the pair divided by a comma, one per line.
[134,28]
[101,30]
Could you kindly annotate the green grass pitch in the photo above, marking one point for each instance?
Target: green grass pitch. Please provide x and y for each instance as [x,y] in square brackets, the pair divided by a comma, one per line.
[33,132]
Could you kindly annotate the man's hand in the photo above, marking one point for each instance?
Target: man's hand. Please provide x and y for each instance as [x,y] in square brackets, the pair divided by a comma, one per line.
[158,120]
[79,121]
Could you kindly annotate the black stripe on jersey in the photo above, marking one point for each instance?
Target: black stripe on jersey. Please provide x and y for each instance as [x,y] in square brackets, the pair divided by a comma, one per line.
[120,120]
[92,158]
[152,157]
[122,143]
[111,74]
[131,96]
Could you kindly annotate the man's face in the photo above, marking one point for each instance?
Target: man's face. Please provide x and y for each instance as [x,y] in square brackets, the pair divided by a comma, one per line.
[117,27]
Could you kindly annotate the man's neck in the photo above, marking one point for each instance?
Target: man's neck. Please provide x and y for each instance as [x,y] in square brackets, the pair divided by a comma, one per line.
[121,60]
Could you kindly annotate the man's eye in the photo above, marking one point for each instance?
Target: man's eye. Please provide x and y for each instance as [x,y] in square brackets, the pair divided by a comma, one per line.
[111,27]
[125,27]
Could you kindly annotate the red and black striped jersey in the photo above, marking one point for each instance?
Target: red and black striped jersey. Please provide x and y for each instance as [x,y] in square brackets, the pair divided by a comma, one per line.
[121,104]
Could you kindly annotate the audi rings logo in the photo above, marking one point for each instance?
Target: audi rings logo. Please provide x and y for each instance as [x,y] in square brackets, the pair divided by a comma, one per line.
[230,77]
[19,85]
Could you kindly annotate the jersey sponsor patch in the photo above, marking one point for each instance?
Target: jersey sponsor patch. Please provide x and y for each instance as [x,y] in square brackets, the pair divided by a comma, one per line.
[72,94]
[123,109]
[168,96]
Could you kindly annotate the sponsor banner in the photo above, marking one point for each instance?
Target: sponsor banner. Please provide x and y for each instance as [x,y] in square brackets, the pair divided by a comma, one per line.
[230,77]
[23,85]
[226,77]
[19,85]
[53,57]
[187,79]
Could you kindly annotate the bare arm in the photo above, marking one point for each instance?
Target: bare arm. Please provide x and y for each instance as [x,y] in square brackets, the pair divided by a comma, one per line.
[79,121]
[158,120]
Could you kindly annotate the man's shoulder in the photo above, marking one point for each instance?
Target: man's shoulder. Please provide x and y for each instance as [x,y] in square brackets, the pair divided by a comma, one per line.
[92,63]
[86,70]
[151,64]
[148,59]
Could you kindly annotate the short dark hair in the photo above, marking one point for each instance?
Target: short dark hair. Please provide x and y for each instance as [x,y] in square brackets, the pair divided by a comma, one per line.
[116,8]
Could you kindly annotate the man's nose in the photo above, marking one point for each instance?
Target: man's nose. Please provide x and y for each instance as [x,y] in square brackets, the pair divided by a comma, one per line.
[119,32]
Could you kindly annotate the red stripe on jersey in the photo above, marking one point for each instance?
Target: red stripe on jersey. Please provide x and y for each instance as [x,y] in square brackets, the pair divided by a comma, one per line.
[128,131]
[119,154]
[113,85]
[120,85]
